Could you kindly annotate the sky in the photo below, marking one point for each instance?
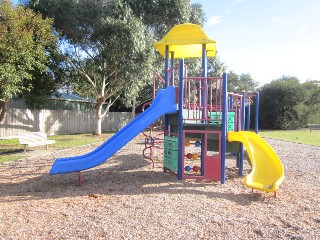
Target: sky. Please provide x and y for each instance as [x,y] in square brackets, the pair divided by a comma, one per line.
[266,38]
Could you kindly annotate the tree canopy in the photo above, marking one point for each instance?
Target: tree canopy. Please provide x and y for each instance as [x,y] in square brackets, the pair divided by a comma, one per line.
[108,44]
[27,48]
[282,104]
[243,82]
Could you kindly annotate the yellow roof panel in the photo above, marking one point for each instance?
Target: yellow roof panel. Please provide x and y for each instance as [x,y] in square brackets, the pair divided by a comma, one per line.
[186,41]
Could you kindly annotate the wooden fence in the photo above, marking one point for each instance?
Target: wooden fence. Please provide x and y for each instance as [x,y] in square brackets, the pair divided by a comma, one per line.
[55,122]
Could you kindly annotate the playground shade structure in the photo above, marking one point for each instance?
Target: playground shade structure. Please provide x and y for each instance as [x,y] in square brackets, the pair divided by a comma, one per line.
[267,170]
[164,103]
[186,41]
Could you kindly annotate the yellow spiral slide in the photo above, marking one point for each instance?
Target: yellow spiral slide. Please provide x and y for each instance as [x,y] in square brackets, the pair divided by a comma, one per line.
[267,171]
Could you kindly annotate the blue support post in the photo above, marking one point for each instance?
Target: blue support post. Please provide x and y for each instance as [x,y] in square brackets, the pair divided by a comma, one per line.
[238,128]
[256,126]
[204,93]
[248,116]
[243,117]
[243,112]
[172,69]
[238,109]
[166,67]
[180,111]
[166,81]
[230,106]
[224,128]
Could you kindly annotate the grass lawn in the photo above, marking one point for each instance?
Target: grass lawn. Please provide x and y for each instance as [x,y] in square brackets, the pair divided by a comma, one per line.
[11,150]
[8,158]
[65,141]
[299,136]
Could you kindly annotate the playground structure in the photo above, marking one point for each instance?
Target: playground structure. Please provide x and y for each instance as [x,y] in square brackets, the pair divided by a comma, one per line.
[200,116]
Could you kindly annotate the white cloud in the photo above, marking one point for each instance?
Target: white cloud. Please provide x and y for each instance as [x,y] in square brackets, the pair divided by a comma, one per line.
[214,20]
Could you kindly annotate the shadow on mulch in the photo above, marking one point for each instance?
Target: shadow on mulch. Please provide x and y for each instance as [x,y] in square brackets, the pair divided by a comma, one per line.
[124,176]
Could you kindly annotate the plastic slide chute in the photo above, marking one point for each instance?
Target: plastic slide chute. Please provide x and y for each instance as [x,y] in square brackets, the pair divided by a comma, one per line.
[164,103]
[267,171]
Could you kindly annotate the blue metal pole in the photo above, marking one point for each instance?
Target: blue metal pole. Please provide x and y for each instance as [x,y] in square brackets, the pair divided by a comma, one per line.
[243,112]
[172,69]
[166,67]
[230,102]
[224,128]
[166,83]
[248,116]
[204,91]
[204,61]
[243,117]
[238,109]
[180,112]
[238,128]
[204,100]
[257,113]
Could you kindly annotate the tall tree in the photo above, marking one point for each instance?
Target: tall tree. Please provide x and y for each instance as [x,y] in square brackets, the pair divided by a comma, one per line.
[282,104]
[312,101]
[242,82]
[108,43]
[27,45]
[216,67]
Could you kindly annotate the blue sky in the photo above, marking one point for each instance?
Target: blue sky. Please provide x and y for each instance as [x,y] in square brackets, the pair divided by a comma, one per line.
[266,38]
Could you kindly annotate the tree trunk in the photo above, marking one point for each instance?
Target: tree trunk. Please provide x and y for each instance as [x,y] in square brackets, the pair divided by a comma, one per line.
[98,116]
[97,130]
[3,108]
[98,120]
[133,112]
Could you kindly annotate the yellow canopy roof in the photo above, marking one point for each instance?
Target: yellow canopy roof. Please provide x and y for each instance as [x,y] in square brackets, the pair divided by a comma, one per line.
[186,41]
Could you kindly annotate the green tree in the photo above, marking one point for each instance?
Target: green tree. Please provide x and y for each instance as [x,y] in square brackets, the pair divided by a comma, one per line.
[312,101]
[282,104]
[161,16]
[106,45]
[109,43]
[243,82]
[216,67]
[27,44]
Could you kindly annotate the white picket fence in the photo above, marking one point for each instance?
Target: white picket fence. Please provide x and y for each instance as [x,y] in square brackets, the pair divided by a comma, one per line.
[56,122]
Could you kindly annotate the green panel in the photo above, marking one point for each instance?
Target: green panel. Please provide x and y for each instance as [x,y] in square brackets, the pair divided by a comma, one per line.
[171,139]
[171,164]
[172,154]
[230,126]
[219,114]
[216,117]
[230,118]
[171,143]
[166,162]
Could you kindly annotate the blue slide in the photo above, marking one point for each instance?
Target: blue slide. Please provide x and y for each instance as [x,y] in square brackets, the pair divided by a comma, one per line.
[164,103]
